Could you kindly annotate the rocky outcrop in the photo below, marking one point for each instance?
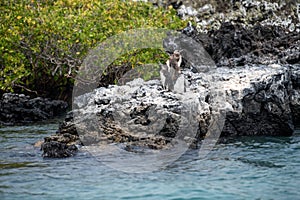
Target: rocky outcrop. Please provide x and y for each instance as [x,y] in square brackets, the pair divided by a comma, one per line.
[255,89]
[266,102]
[253,100]
[20,109]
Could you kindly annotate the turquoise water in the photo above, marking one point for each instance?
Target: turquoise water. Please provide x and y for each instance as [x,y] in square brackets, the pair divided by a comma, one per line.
[247,168]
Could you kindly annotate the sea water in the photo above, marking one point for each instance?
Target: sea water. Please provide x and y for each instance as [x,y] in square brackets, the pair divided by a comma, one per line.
[244,168]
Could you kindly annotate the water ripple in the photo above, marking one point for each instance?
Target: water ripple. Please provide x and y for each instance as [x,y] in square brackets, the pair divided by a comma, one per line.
[244,168]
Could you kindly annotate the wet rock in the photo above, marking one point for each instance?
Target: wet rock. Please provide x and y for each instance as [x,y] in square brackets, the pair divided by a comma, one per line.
[55,149]
[64,143]
[20,109]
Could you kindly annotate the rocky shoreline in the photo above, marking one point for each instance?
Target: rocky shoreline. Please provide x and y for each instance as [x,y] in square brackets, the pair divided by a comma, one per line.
[260,100]
[19,109]
[257,79]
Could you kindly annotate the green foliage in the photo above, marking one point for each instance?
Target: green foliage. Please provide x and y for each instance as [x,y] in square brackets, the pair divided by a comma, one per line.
[42,43]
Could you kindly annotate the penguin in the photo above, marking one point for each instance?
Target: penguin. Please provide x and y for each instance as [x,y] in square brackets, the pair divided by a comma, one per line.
[170,73]
[174,61]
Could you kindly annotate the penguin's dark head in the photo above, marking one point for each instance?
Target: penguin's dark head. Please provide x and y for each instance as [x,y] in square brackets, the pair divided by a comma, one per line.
[177,53]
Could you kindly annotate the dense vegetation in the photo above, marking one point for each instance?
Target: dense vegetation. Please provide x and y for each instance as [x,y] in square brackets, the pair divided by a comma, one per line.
[43,42]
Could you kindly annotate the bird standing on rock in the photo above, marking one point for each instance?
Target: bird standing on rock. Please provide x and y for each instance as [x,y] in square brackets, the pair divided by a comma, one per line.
[171,72]
[175,61]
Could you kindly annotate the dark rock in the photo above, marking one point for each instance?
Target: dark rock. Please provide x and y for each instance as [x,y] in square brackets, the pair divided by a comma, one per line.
[64,143]
[55,149]
[233,45]
[20,109]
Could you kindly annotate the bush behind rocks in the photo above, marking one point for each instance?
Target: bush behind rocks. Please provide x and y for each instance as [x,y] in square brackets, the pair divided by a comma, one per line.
[42,43]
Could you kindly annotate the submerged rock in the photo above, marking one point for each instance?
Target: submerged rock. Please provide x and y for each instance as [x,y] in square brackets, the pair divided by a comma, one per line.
[20,109]
[252,100]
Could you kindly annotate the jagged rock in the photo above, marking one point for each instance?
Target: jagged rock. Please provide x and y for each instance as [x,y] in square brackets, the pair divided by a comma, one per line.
[209,15]
[141,114]
[53,149]
[236,33]
[233,45]
[64,143]
[20,109]
[265,103]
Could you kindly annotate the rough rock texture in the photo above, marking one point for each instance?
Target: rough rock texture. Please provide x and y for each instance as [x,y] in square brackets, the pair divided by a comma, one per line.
[256,100]
[236,33]
[210,14]
[64,143]
[265,102]
[295,94]
[232,45]
[20,109]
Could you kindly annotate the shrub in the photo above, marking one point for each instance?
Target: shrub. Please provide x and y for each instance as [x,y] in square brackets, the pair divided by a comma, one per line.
[43,42]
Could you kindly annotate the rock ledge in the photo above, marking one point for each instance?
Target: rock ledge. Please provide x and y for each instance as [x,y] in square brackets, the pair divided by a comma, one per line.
[257,100]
